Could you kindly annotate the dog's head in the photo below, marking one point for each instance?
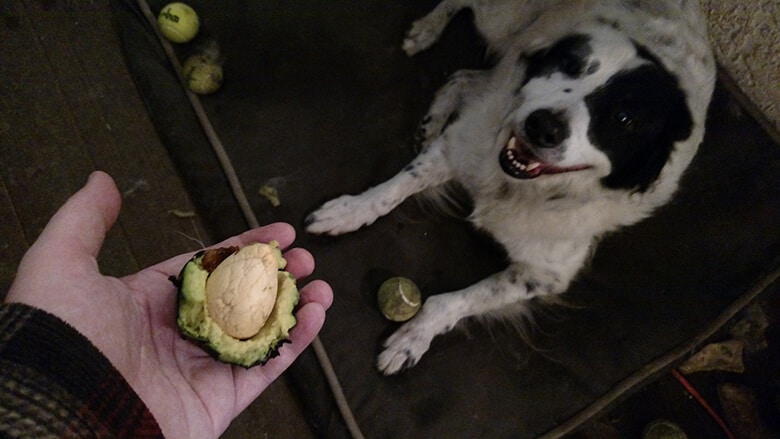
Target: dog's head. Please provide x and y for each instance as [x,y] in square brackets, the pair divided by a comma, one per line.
[597,103]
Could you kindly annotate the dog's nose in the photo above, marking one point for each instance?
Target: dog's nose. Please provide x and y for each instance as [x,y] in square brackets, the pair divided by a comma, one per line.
[546,129]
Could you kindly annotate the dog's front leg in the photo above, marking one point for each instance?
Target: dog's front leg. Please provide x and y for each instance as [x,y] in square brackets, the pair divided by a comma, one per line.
[350,212]
[440,313]
[428,29]
[447,103]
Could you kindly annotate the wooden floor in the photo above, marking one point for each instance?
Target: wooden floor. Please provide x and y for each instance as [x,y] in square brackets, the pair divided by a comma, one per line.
[68,106]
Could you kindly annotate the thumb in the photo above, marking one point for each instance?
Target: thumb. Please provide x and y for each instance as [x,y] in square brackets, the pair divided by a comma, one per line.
[75,234]
[80,225]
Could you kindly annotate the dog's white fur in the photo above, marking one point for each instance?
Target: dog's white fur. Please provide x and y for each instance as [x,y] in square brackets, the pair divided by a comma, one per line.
[549,224]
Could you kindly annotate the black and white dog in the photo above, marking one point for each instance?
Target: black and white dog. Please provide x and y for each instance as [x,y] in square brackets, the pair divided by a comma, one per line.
[587,121]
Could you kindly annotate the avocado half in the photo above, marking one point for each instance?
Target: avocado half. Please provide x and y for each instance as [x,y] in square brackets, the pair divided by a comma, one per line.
[195,323]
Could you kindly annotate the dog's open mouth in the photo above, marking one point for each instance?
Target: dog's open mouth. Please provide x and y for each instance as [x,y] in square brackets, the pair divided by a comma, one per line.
[518,161]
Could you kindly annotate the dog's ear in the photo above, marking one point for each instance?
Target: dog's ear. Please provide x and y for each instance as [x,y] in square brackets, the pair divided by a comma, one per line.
[568,56]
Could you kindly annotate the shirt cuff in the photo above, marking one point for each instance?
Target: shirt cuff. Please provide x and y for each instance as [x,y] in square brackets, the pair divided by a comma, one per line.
[54,382]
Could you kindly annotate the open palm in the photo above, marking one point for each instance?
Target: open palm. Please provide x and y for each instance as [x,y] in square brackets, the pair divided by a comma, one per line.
[132,320]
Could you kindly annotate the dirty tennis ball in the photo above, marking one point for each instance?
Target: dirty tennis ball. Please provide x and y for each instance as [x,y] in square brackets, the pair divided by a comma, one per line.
[399,299]
[663,429]
[202,74]
[178,22]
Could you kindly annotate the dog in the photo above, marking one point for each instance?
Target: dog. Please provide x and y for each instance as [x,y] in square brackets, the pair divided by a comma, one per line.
[584,124]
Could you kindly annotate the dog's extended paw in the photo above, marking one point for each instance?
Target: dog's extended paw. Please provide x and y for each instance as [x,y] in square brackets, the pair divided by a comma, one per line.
[341,215]
[404,348]
[424,32]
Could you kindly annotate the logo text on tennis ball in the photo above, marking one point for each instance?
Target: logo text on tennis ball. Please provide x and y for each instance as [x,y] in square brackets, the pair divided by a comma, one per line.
[178,22]
[241,291]
[169,16]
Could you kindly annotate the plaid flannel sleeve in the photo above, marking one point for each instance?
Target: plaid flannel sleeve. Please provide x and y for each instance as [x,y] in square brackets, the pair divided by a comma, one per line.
[55,383]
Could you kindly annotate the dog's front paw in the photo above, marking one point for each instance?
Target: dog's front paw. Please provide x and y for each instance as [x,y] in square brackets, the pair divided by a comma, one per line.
[405,347]
[340,215]
[424,32]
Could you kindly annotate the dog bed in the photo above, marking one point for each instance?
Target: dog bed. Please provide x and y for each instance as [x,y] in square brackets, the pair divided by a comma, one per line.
[319,100]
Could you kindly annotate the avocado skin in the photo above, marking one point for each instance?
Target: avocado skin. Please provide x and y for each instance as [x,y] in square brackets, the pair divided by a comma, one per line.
[195,324]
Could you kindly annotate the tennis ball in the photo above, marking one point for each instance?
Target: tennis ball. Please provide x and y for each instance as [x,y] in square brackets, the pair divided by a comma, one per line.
[178,22]
[399,299]
[202,74]
[662,429]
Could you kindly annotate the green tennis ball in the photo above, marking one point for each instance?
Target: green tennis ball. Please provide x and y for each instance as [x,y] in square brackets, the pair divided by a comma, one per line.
[399,299]
[202,74]
[662,429]
[178,22]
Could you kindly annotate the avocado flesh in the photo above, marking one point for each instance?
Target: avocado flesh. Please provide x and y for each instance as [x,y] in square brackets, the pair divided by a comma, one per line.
[194,322]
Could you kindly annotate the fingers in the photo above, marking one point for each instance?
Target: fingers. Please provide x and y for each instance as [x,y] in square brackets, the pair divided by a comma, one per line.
[316,298]
[282,233]
[300,263]
[317,291]
[251,382]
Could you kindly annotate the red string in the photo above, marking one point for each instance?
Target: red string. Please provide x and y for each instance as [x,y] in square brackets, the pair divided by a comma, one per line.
[689,388]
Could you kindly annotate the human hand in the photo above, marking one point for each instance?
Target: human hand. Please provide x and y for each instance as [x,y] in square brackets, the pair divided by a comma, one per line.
[132,320]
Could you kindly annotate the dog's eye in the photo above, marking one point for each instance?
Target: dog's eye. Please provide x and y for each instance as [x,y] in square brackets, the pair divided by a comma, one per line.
[624,118]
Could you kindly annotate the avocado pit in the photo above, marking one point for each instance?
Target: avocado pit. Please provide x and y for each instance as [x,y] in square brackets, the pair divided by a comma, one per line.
[241,290]
[237,303]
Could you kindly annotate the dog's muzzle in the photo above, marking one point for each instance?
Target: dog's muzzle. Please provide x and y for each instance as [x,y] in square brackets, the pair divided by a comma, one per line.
[544,129]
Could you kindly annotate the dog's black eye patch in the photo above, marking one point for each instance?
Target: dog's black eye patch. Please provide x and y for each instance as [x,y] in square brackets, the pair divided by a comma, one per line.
[568,56]
[635,119]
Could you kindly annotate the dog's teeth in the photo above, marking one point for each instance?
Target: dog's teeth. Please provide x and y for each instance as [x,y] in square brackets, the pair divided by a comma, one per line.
[512,142]
[532,166]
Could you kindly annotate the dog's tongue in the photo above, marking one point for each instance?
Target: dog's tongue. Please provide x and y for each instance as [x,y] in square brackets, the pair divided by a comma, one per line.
[517,161]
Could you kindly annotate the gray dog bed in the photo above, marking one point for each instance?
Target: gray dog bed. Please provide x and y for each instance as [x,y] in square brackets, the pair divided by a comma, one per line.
[319,100]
